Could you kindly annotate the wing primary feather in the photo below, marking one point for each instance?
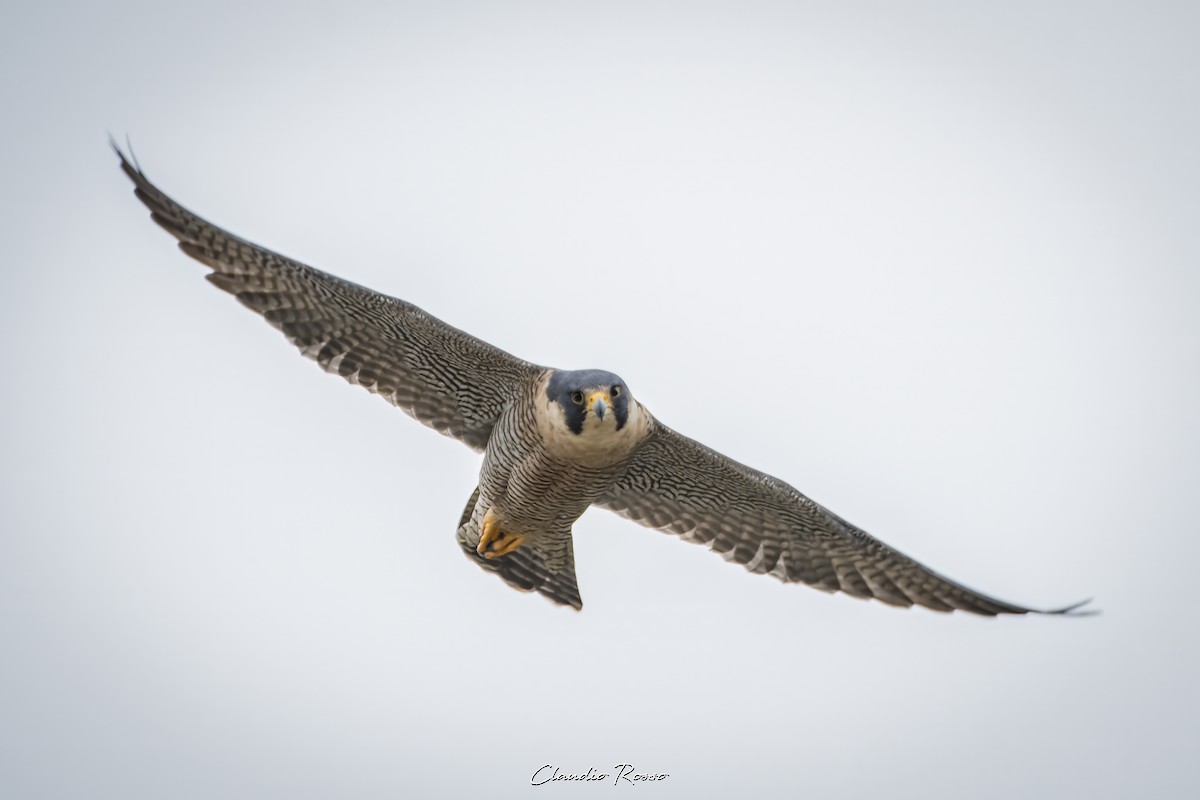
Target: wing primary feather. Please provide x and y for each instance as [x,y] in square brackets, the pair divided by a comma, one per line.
[677,485]
[445,378]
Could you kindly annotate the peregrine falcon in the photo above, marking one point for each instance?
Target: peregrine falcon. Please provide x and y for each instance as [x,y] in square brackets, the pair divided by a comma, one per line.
[554,442]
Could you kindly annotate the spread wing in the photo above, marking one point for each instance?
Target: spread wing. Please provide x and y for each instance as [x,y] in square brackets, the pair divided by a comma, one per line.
[680,486]
[440,375]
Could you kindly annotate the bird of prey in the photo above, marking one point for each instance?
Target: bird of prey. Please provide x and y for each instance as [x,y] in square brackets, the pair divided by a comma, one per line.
[554,441]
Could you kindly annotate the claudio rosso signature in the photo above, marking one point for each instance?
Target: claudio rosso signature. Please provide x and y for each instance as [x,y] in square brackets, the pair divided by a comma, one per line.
[622,773]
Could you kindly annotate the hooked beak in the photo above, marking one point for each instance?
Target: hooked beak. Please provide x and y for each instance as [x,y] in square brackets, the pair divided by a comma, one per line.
[599,404]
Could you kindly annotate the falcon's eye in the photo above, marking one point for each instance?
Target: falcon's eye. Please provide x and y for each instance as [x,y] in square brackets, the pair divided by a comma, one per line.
[577,398]
[616,391]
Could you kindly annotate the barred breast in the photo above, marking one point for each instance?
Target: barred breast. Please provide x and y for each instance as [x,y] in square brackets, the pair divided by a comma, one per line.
[538,476]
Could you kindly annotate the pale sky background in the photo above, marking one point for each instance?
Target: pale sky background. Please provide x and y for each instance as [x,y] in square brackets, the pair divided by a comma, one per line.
[934,264]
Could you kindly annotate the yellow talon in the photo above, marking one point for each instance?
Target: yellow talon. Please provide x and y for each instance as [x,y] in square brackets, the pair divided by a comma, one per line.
[505,544]
[488,531]
[501,542]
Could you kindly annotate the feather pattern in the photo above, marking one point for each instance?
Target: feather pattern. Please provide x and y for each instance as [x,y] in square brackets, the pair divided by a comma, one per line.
[440,375]
[678,485]
[538,476]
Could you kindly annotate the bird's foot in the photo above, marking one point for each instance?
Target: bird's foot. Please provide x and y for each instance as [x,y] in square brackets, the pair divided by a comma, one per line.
[494,542]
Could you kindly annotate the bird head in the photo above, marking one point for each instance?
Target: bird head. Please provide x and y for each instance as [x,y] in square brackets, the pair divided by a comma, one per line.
[590,399]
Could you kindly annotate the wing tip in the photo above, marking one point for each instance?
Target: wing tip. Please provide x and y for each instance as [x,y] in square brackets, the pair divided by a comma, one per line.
[999,609]
[1073,610]
[129,164]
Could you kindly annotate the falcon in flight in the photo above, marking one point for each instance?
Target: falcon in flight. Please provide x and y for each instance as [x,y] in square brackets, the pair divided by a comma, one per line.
[554,441]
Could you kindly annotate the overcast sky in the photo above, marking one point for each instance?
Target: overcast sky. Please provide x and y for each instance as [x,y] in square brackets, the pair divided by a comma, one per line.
[934,264]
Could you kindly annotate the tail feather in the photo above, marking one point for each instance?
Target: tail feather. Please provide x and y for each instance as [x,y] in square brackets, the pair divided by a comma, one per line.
[526,568]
